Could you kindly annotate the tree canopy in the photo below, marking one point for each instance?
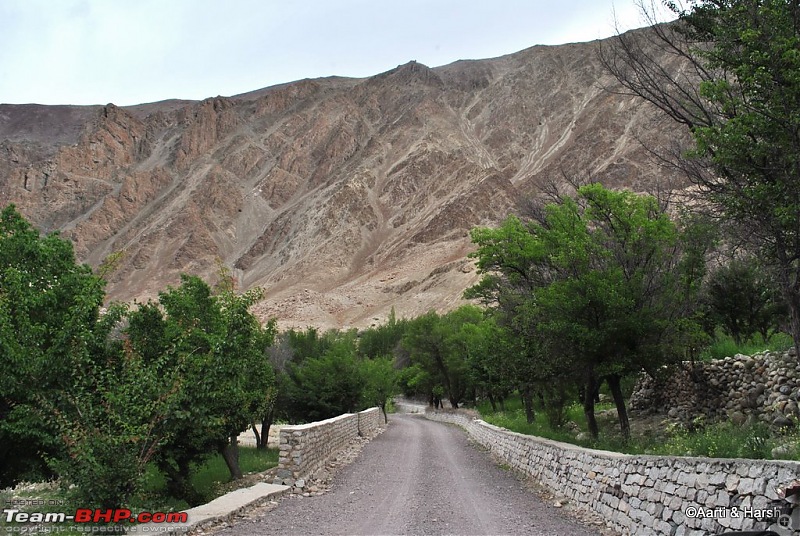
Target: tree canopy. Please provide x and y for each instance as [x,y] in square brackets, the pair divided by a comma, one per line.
[737,90]
[589,289]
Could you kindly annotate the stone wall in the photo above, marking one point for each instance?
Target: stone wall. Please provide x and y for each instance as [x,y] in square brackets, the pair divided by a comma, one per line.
[369,421]
[305,448]
[645,495]
[764,387]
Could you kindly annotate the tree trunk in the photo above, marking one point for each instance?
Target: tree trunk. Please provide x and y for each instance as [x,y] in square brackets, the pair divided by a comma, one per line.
[619,401]
[794,309]
[385,417]
[179,485]
[230,453]
[255,433]
[527,400]
[502,401]
[790,287]
[266,424]
[588,405]
[492,402]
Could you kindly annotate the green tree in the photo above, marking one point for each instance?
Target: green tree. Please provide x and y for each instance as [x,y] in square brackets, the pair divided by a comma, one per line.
[737,92]
[71,393]
[381,340]
[325,386]
[595,280]
[380,382]
[743,300]
[110,426]
[438,345]
[218,349]
[48,305]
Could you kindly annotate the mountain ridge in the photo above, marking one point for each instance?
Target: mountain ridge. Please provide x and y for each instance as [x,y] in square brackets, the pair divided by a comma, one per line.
[342,197]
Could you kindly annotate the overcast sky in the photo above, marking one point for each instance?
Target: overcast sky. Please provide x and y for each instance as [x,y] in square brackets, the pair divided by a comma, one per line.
[135,51]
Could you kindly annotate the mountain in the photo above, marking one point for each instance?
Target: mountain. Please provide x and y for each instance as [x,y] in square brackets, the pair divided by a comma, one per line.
[341,197]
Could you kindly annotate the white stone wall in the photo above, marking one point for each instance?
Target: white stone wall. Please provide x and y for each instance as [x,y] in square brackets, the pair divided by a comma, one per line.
[644,495]
[369,421]
[305,448]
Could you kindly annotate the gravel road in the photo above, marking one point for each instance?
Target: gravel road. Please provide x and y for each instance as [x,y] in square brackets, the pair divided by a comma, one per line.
[418,477]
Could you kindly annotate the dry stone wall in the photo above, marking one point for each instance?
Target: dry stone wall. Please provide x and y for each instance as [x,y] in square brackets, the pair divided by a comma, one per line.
[648,495]
[764,387]
[369,421]
[305,448]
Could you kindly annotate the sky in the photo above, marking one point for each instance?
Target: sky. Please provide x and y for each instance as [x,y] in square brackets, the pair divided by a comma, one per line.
[136,51]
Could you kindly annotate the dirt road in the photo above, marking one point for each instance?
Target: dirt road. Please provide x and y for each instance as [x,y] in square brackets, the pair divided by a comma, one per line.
[418,477]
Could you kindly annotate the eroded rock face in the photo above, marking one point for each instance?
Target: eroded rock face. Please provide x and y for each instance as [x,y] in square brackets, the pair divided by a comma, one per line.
[342,197]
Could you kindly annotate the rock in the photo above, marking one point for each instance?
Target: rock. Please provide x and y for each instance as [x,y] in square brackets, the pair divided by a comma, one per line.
[738,418]
[301,483]
[784,451]
[782,421]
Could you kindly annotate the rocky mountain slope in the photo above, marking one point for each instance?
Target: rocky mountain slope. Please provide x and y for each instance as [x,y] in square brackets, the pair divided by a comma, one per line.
[341,197]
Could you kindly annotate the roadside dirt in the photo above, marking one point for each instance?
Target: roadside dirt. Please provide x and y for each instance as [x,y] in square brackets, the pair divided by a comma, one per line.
[418,477]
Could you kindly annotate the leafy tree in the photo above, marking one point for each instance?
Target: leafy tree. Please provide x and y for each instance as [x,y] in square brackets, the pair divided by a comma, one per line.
[218,349]
[381,340]
[743,300]
[71,392]
[110,425]
[48,303]
[594,280]
[325,386]
[309,343]
[380,382]
[414,381]
[438,345]
[737,91]
[487,348]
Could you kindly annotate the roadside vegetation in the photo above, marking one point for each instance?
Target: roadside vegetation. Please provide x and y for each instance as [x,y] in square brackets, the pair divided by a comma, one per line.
[110,399]
[652,436]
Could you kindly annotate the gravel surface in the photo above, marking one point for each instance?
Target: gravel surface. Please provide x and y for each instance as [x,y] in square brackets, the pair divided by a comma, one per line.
[418,477]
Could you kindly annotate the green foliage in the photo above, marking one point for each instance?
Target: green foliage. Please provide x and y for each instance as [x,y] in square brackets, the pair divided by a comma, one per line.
[717,440]
[70,393]
[440,347]
[218,349]
[738,95]
[724,345]
[380,382]
[325,386]
[590,291]
[110,425]
[382,340]
[722,440]
[743,300]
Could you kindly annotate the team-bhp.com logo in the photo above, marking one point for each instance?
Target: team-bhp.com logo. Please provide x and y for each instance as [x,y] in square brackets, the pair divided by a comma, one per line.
[94,515]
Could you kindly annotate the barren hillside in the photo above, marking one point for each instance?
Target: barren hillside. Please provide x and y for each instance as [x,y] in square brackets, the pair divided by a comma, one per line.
[342,197]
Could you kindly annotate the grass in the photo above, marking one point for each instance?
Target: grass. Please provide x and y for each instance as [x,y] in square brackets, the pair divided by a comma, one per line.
[208,479]
[513,418]
[726,440]
[718,440]
[724,346]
